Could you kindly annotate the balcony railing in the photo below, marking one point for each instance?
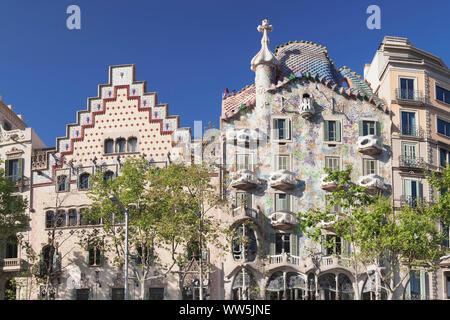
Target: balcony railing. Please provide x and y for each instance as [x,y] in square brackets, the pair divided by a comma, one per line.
[411,201]
[246,212]
[410,95]
[11,264]
[285,258]
[412,131]
[330,261]
[411,162]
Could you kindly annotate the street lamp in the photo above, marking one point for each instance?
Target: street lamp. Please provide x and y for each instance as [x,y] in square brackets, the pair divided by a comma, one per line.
[116,200]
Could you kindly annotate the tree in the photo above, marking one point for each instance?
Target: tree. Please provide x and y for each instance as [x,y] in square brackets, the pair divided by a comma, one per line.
[386,241]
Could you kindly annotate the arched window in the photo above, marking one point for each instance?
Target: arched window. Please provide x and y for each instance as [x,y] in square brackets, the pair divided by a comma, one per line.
[109,176]
[109,146]
[49,219]
[62,183]
[244,286]
[73,218]
[275,287]
[311,291]
[327,287]
[60,218]
[244,243]
[132,144]
[345,288]
[84,181]
[120,145]
[296,288]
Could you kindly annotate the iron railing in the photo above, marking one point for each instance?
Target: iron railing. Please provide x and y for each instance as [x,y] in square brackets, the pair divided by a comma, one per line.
[411,162]
[410,95]
[412,131]
[412,201]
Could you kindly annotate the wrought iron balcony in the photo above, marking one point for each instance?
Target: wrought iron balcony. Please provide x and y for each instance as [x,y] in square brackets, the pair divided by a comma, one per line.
[406,95]
[411,162]
[412,201]
[328,185]
[284,220]
[412,131]
[244,179]
[370,144]
[283,180]
[12,264]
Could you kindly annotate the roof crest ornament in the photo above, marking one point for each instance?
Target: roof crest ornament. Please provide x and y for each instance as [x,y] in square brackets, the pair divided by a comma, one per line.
[264,56]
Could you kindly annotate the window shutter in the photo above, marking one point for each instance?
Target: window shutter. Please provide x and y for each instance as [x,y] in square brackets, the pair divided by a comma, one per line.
[324,246]
[7,173]
[378,128]
[78,181]
[407,187]
[20,170]
[361,127]
[67,183]
[338,131]
[288,129]
[272,244]
[87,257]
[423,285]
[294,243]
[420,190]
[56,184]
[101,257]
[408,288]
[326,135]
[275,129]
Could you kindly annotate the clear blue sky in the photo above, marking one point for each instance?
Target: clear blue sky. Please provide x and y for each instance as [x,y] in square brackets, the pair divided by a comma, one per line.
[188,51]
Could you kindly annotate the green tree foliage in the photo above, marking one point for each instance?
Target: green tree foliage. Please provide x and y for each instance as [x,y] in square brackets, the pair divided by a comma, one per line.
[394,241]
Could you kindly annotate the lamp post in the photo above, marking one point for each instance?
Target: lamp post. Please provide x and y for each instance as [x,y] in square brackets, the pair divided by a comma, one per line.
[116,200]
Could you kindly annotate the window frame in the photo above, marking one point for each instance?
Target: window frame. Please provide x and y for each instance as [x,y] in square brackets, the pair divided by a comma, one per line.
[250,161]
[443,87]
[289,201]
[364,168]
[325,131]
[287,129]
[277,161]
[416,122]
[437,126]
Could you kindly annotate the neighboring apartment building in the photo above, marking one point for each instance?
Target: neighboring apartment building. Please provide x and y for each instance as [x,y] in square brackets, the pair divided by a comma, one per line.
[416,87]
[17,144]
[279,134]
[124,121]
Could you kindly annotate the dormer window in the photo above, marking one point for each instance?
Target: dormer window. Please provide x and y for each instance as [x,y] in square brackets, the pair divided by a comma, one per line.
[120,145]
[132,144]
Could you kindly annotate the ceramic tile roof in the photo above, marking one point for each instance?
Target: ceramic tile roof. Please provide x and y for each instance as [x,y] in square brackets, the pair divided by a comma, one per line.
[231,104]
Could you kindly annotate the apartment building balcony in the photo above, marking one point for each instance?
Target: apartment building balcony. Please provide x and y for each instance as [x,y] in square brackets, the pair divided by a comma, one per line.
[412,201]
[284,220]
[284,259]
[370,144]
[244,179]
[307,107]
[410,163]
[12,264]
[411,131]
[328,185]
[406,96]
[243,213]
[331,262]
[373,182]
[283,180]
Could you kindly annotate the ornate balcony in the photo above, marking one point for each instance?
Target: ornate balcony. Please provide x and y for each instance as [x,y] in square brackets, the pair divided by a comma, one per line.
[411,163]
[410,96]
[307,107]
[370,144]
[244,212]
[284,220]
[283,180]
[244,179]
[330,262]
[374,183]
[328,185]
[411,201]
[12,264]
[285,259]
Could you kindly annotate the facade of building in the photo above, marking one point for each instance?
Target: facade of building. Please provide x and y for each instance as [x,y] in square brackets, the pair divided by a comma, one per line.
[276,138]
[416,87]
[17,144]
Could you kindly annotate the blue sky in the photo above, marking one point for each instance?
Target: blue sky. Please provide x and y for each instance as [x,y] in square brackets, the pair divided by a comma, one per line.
[187,51]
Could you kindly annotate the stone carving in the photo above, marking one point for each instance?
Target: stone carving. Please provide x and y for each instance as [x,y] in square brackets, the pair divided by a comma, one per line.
[244,179]
[283,179]
[283,220]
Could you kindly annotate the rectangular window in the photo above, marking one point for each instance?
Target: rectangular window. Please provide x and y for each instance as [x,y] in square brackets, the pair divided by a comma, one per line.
[448,287]
[94,257]
[332,163]
[332,130]
[155,293]
[407,89]
[243,162]
[243,198]
[367,128]
[443,155]
[445,234]
[331,245]
[414,285]
[73,218]
[412,191]
[282,202]
[14,170]
[442,94]
[369,167]
[282,129]
[443,127]
[409,125]
[282,162]
[282,243]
